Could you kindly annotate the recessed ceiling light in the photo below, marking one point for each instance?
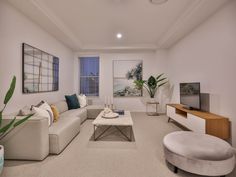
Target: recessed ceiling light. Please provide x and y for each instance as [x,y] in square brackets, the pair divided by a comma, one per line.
[158,1]
[119,35]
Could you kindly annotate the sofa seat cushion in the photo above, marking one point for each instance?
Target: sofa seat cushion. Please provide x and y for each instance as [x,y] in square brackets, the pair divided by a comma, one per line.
[62,132]
[198,146]
[93,110]
[81,112]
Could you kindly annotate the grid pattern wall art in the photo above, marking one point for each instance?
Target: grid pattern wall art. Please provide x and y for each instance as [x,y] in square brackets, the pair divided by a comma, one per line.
[40,70]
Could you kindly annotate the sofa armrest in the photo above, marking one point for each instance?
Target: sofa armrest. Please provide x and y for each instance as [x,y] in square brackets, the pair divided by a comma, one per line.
[28,141]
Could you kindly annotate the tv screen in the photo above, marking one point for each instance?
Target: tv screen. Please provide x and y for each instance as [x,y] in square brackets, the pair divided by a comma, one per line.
[190,95]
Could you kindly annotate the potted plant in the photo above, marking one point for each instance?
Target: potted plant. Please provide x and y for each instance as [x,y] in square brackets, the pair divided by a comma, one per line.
[7,128]
[152,84]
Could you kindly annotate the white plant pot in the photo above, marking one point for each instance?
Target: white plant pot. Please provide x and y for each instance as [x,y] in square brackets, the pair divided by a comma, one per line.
[152,100]
[1,158]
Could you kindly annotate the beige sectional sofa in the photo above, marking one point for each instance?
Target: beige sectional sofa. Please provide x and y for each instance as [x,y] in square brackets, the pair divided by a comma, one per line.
[34,140]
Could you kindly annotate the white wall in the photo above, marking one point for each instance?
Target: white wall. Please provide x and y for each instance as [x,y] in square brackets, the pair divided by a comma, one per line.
[208,55]
[15,29]
[153,64]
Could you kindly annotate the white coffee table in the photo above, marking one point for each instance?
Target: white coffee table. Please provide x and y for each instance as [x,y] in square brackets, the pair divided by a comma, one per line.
[123,120]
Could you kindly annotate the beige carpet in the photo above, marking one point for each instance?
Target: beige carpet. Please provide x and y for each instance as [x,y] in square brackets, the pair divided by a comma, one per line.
[114,158]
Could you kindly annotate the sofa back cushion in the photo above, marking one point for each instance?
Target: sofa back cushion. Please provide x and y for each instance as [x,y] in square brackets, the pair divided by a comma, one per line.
[61,106]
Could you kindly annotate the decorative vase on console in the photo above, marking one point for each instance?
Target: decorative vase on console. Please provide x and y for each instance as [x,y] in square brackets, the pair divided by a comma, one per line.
[152,100]
[151,85]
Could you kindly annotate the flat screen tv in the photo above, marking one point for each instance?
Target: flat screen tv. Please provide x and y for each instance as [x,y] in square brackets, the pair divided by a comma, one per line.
[190,95]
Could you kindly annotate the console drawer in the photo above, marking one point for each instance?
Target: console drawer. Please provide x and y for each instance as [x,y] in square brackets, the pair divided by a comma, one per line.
[171,112]
[196,124]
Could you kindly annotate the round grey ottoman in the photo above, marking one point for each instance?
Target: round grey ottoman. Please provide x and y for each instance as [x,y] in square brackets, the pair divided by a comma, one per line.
[200,154]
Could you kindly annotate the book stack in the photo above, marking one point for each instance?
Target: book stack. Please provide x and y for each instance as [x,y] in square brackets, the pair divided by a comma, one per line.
[120,112]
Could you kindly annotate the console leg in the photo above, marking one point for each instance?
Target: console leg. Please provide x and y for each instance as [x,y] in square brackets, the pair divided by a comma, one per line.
[175,169]
[169,119]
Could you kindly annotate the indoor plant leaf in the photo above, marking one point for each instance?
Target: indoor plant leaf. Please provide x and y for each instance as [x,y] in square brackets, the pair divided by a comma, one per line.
[139,84]
[11,125]
[151,85]
[6,127]
[162,84]
[159,76]
[0,118]
[152,82]
[161,79]
[10,91]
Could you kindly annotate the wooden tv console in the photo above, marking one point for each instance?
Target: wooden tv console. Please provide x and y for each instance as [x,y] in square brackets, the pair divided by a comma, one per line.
[198,121]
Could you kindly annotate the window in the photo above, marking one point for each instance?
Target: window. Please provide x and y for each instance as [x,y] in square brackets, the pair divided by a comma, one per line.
[89,76]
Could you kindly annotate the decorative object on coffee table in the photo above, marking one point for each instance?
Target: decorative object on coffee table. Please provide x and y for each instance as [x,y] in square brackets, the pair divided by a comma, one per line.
[108,102]
[120,112]
[109,114]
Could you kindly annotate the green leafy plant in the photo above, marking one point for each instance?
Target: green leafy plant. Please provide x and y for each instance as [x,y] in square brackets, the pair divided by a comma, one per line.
[5,129]
[152,84]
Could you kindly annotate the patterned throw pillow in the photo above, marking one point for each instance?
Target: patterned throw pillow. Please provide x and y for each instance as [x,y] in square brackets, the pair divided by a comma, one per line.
[55,113]
[25,111]
[72,101]
[37,105]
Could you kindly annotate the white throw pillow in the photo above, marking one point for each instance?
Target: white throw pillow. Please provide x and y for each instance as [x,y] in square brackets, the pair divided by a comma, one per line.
[43,113]
[46,106]
[82,100]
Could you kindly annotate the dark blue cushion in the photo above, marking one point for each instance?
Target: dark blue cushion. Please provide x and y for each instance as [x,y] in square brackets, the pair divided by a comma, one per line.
[72,101]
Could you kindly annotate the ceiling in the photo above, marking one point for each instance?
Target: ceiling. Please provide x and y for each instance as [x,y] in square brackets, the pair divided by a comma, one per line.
[89,25]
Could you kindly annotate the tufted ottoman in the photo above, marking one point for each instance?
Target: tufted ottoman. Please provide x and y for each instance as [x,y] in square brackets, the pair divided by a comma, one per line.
[199,153]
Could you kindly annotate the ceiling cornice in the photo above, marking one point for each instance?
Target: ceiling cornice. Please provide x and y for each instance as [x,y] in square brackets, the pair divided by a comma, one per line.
[57,22]
[119,48]
[40,14]
[193,16]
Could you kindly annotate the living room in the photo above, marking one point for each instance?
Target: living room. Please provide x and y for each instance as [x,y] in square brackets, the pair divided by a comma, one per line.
[190,41]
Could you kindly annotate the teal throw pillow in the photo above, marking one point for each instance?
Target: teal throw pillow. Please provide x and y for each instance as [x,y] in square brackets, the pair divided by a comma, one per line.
[72,101]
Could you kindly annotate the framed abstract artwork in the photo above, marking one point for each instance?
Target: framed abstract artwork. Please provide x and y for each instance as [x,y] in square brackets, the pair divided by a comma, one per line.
[125,72]
[40,70]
